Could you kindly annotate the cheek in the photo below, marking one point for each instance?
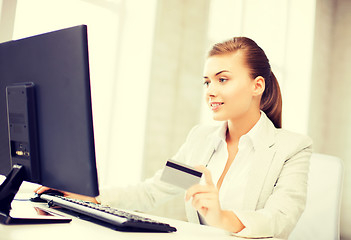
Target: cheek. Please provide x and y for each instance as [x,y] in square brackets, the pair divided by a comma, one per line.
[239,97]
[206,98]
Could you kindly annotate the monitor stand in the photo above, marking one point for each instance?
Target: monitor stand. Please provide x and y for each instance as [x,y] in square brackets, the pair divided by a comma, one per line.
[8,190]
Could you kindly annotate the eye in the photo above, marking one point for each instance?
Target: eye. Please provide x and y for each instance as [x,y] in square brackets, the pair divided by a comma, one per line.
[206,83]
[222,79]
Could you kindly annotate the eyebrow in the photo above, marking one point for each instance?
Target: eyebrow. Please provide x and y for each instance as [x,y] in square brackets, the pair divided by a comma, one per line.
[218,73]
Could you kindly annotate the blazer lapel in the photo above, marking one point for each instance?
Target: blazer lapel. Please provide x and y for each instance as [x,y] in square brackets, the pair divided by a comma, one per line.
[264,153]
[261,165]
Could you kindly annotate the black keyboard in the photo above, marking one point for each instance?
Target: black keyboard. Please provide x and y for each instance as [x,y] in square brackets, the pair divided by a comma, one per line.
[120,220]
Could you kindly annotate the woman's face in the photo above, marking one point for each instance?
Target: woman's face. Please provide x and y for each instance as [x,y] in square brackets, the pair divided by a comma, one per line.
[229,90]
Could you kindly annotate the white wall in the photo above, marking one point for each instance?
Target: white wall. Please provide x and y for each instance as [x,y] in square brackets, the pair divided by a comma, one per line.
[330,117]
[176,85]
[7,10]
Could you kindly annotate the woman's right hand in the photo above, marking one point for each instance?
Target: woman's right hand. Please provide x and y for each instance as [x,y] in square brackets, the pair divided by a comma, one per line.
[42,189]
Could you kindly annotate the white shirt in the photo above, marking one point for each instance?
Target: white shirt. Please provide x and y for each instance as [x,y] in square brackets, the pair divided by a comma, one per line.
[233,187]
[232,191]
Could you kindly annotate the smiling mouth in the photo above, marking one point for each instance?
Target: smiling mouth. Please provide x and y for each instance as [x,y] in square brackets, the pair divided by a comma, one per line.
[216,105]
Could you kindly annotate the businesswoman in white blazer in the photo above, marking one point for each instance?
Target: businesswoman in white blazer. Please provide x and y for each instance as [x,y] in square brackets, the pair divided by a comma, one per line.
[255,173]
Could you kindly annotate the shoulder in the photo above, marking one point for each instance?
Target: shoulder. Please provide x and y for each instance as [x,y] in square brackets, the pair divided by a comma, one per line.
[203,131]
[200,141]
[292,142]
[205,136]
[286,136]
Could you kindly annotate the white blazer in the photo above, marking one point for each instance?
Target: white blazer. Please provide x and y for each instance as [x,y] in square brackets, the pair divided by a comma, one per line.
[276,189]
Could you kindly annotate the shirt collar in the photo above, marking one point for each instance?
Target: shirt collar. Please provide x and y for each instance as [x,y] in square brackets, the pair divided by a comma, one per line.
[259,134]
[220,135]
[256,130]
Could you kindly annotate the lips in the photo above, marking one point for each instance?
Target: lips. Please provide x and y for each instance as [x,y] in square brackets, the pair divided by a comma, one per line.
[216,105]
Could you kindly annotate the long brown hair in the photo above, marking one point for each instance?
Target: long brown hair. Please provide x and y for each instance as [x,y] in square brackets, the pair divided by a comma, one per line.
[258,63]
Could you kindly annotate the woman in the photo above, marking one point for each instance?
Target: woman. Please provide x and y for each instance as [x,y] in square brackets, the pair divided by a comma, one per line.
[255,172]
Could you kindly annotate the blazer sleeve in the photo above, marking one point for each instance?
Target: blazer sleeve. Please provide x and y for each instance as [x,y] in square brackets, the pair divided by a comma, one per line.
[148,194]
[286,202]
[144,196]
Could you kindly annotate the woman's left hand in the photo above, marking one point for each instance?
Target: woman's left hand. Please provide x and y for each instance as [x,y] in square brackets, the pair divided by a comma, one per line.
[205,199]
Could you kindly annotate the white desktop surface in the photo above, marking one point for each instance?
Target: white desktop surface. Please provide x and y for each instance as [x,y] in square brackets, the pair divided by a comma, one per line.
[81,229]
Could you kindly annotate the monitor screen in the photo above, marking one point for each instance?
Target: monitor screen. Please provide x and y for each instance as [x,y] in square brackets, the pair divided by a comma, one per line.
[56,65]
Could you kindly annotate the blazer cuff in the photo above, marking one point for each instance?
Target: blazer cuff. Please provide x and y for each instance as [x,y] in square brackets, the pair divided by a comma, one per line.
[257,224]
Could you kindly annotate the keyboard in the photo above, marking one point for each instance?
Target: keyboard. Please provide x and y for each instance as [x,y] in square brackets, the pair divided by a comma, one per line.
[117,219]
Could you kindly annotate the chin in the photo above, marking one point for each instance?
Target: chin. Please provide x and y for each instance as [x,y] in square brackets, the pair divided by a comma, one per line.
[219,118]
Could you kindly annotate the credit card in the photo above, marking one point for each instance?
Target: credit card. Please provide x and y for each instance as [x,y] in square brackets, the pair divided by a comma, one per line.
[180,174]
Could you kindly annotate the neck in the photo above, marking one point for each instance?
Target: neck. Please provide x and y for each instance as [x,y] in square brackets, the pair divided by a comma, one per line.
[239,127]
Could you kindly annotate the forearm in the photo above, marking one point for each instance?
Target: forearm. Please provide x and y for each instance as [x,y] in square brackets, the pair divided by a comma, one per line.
[144,196]
[230,222]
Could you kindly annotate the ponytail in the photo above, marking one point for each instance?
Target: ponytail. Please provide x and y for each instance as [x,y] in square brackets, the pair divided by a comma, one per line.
[271,101]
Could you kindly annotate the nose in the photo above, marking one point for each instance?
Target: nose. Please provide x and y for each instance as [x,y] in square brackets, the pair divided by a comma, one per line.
[211,90]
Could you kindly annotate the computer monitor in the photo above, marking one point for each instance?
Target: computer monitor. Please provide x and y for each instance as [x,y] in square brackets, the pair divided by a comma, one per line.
[46,124]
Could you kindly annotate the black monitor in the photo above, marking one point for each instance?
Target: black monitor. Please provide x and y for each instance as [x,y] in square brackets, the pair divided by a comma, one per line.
[46,124]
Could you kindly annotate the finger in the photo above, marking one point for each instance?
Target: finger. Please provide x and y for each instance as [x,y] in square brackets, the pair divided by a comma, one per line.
[203,211]
[204,200]
[207,173]
[41,189]
[202,204]
[197,189]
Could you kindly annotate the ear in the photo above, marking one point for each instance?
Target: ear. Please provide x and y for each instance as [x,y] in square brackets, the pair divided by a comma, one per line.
[259,85]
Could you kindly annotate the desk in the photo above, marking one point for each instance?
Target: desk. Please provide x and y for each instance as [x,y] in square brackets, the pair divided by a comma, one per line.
[81,229]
